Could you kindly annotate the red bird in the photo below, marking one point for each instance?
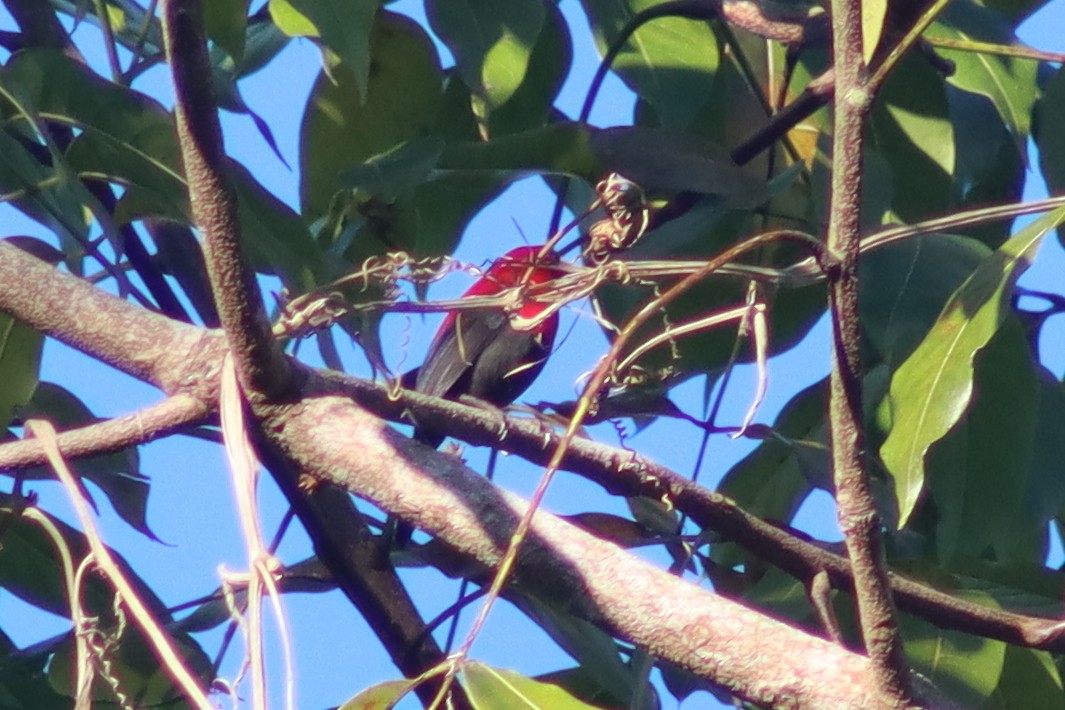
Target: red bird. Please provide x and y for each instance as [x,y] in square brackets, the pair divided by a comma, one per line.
[480,352]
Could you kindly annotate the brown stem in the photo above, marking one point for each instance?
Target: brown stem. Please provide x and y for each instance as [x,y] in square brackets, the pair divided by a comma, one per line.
[262,368]
[858,517]
[148,424]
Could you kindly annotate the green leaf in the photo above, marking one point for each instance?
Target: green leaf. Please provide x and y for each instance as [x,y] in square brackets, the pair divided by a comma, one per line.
[990,167]
[29,565]
[20,363]
[343,26]
[24,680]
[772,481]
[134,667]
[531,104]
[386,174]
[932,389]
[671,62]
[1049,138]
[873,14]
[966,668]
[658,161]
[130,139]
[46,193]
[491,688]
[904,287]
[381,696]
[1009,82]
[1030,680]
[978,473]
[492,43]
[913,133]
[129,31]
[590,646]
[339,131]
[582,685]
[226,22]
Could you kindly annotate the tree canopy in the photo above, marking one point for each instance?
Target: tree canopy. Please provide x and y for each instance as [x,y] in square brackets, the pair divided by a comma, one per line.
[786,163]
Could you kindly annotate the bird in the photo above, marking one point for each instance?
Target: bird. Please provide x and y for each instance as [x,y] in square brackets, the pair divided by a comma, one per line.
[480,352]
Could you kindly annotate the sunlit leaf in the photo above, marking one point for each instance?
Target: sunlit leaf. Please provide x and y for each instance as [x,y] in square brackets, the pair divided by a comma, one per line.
[491,688]
[531,104]
[1009,82]
[670,61]
[382,696]
[339,131]
[913,133]
[873,13]
[492,43]
[932,389]
[342,25]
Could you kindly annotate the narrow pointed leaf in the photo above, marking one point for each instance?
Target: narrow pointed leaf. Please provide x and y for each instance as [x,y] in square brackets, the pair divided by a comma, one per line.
[932,389]
[491,688]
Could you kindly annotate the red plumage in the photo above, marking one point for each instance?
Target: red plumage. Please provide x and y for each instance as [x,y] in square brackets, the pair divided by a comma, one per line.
[480,352]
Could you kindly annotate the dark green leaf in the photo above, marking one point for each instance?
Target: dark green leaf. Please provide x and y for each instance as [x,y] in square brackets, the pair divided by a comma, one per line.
[592,648]
[492,43]
[774,479]
[30,568]
[386,174]
[24,681]
[978,473]
[340,132]
[226,22]
[20,363]
[1049,138]
[966,668]
[671,61]
[904,287]
[117,475]
[45,192]
[343,26]
[932,389]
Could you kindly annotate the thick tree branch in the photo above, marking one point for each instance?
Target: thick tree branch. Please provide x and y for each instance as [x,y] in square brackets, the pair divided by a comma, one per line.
[262,368]
[344,543]
[145,345]
[330,439]
[187,360]
[858,517]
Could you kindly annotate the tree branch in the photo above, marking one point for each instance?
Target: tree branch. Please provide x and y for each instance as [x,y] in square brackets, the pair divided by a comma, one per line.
[148,424]
[330,439]
[261,365]
[858,517]
[187,362]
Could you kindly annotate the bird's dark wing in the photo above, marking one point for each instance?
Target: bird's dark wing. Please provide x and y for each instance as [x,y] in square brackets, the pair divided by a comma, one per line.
[454,352]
